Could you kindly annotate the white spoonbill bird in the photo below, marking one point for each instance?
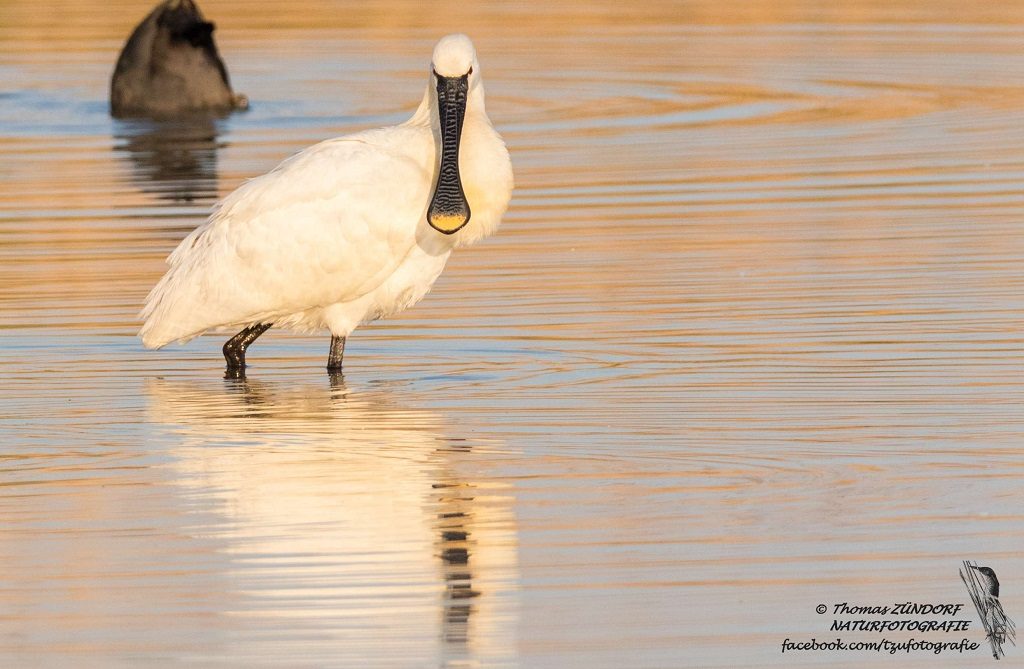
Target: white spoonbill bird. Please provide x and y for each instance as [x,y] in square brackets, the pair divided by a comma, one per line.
[348,231]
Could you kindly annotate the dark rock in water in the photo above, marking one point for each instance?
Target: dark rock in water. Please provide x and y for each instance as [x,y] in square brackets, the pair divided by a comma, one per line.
[170,67]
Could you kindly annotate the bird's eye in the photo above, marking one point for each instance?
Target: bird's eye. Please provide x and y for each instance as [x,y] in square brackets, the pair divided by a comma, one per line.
[470,71]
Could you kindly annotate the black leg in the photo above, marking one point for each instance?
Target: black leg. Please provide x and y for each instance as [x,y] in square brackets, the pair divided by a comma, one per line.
[337,352]
[234,349]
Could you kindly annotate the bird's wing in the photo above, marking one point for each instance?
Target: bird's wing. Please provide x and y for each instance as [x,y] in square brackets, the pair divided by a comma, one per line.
[328,225]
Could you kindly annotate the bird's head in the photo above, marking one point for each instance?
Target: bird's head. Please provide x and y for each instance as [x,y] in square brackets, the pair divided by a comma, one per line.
[454,73]
[454,56]
[989,577]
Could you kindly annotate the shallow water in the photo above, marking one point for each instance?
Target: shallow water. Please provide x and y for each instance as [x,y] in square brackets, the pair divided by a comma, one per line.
[748,341]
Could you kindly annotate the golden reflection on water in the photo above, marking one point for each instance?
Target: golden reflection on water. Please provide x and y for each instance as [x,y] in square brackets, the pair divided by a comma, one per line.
[749,339]
[348,500]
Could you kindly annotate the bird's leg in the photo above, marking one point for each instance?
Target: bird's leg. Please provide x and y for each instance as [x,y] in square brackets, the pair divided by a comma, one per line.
[234,349]
[337,351]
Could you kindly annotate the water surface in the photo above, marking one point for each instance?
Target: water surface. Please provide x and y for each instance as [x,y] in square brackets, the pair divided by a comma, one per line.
[749,340]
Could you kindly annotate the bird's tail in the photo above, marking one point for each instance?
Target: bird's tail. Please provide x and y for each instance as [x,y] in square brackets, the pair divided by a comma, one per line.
[170,312]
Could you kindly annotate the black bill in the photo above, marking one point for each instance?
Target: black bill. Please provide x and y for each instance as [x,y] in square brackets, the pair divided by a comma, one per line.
[449,210]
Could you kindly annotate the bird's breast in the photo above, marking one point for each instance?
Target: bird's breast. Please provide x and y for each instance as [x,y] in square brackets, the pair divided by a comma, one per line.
[486,172]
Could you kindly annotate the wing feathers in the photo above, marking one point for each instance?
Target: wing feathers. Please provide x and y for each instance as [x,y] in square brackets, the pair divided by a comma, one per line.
[326,226]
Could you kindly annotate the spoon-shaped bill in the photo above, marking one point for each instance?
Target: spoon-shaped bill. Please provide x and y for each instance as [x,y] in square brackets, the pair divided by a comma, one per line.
[449,210]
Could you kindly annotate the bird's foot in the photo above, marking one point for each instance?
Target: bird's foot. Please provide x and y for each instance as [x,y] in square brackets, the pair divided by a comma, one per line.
[234,357]
[234,373]
[234,349]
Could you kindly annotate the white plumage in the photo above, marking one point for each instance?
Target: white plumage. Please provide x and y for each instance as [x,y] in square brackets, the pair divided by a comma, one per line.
[338,235]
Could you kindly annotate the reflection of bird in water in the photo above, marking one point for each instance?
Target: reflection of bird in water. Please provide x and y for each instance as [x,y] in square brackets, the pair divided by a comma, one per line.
[173,160]
[170,66]
[346,232]
[354,511]
[454,515]
[984,590]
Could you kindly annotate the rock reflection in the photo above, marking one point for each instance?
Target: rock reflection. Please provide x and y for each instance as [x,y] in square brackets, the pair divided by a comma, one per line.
[347,516]
[173,160]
